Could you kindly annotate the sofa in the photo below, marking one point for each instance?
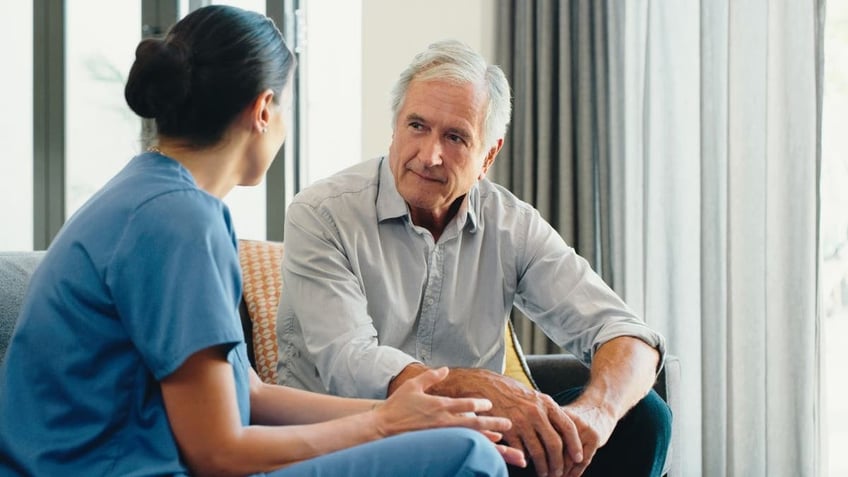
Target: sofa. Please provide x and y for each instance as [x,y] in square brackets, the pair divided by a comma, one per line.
[260,262]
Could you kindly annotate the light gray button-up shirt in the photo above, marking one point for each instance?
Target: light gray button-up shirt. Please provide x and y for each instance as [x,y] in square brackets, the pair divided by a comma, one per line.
[366,292]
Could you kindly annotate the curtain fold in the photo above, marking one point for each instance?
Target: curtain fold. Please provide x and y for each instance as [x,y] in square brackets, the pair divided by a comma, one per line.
[555,155]
[718,143]
[714,204]
[676,146]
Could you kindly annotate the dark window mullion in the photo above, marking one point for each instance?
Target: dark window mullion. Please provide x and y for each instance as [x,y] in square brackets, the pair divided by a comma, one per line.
[282,12]
[48,120]
[156,17]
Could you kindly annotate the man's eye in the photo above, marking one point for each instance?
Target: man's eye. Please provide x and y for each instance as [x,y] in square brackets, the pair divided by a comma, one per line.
[416,126]
[455,139]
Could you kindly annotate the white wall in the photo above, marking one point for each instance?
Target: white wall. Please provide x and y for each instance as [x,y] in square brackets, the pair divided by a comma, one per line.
[393,32]
[331,99]
[355,52]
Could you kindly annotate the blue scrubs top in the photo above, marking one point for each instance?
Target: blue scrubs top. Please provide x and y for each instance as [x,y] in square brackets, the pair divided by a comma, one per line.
[139,279]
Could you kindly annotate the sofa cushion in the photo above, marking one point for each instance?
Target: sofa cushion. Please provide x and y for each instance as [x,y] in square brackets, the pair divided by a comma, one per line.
[15,270]
[515,366]
[262,283]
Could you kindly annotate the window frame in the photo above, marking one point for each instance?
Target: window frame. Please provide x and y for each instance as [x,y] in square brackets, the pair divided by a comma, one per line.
[49,125]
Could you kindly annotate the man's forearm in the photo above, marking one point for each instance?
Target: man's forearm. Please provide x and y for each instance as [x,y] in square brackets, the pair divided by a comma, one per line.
[623,371]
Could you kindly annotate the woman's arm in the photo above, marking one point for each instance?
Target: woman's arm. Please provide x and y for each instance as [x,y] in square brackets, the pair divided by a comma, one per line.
[281,405]
[200,399]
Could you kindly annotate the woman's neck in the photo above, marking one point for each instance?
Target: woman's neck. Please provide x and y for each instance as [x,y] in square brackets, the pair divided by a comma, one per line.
[213,168]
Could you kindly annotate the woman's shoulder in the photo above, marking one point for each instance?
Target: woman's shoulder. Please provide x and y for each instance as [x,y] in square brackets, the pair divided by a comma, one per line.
[160,193]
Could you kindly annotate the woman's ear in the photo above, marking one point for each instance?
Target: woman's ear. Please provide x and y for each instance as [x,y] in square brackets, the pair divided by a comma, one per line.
[260,112]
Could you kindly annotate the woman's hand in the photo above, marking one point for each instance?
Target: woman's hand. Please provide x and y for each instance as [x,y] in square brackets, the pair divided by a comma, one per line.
[410,408]
[540,427]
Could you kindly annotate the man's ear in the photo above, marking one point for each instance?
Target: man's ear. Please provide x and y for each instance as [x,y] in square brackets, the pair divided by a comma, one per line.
[260,111]
[490,158]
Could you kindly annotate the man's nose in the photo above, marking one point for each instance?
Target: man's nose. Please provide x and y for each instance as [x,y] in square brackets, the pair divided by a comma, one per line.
[431,152]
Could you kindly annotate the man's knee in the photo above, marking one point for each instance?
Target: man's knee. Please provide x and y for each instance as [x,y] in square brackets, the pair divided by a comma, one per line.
[641,440]
[653,416]
[639,443]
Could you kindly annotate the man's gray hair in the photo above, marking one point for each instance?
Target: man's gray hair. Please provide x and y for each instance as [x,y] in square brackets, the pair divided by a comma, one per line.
[453,61]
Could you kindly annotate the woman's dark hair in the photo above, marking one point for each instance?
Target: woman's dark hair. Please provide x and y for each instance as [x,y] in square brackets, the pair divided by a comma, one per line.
[206,70]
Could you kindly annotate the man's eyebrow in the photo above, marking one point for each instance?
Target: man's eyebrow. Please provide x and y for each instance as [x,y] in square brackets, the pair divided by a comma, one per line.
[458,130]
[415,117]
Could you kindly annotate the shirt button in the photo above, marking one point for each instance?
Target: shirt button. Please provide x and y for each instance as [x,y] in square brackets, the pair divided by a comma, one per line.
[428,302]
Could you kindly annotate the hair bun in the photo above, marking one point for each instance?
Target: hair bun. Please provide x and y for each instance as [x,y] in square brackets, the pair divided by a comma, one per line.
[159,80]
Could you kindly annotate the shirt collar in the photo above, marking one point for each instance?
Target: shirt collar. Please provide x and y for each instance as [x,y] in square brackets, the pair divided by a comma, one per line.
[390,204]
[470,207]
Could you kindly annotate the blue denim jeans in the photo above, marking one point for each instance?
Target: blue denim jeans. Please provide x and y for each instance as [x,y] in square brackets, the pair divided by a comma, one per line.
[444,452]
[638,445]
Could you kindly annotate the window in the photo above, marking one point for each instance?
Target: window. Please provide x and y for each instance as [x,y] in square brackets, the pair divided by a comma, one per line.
[16,190]
[101,132]
[834,239]
[247,204]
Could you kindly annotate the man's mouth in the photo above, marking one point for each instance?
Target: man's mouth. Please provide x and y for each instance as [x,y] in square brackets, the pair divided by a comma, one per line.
[428,177]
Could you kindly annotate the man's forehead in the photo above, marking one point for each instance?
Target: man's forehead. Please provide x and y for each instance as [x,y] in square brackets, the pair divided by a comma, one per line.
[451,105]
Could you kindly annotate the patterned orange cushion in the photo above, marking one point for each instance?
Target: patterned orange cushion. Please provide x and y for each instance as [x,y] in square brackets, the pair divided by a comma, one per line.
[260,265]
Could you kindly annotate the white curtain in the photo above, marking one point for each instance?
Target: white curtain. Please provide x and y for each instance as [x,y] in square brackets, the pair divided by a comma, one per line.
[715,108]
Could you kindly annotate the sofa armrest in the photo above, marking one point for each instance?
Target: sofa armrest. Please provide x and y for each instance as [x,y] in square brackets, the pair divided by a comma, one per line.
[557,372]
[16,268]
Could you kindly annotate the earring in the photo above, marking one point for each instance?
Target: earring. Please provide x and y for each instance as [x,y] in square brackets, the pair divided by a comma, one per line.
[264,129]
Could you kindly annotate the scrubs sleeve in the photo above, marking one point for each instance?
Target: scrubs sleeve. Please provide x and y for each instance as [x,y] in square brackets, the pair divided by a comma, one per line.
[175,279]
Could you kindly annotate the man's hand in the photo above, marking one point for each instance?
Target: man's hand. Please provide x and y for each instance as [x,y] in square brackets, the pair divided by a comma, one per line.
[594,426]
[623,370]
[560,441]
[539,426]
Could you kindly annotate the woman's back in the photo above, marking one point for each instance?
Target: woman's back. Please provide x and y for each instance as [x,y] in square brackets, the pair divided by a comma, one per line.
[105,319]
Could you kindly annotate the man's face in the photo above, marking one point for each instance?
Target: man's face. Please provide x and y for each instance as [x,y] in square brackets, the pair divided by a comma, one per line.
[437,152]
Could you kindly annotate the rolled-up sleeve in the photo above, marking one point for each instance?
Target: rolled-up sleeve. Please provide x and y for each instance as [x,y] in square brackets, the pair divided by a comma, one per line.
[330,307]
[559,291]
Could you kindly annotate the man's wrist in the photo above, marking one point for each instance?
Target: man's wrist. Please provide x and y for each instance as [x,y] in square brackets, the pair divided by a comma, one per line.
[604,407]
[472,382]
[410,371]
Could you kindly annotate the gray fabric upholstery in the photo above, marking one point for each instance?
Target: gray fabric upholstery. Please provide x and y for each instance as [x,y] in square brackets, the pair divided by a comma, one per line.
[15,271]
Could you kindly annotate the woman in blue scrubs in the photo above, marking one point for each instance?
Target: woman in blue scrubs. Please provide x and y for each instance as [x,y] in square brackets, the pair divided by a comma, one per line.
[129,357]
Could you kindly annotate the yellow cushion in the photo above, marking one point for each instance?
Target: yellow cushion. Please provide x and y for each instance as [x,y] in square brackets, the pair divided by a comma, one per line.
[514,364]
[261,263]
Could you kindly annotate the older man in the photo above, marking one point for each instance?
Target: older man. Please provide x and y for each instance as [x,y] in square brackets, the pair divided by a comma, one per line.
[415,260]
